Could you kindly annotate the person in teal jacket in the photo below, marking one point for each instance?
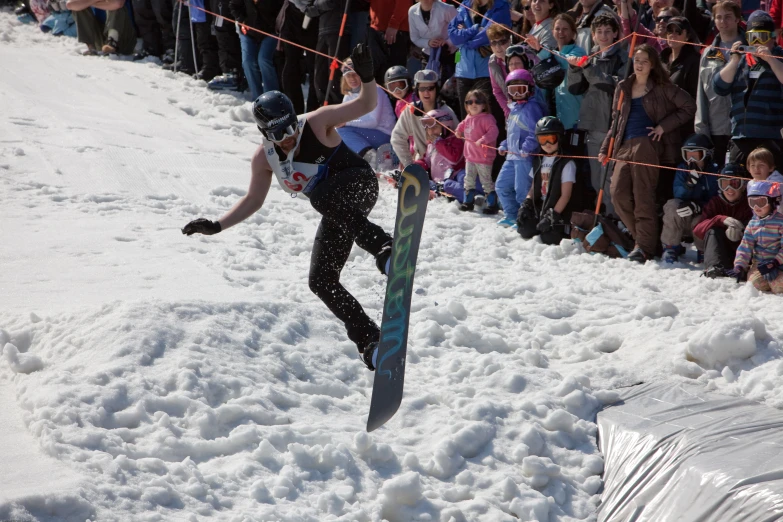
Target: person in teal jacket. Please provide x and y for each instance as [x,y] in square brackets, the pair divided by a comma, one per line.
[564,30]
[468,31]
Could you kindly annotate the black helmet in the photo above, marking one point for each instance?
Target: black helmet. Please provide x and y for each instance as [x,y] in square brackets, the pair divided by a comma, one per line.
[396,72]
[548,73]
[698,142]
[549,125]
[275,116]
[734,170]
[524,52]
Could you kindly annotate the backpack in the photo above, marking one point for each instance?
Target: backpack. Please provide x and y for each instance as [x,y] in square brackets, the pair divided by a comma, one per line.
[605,238]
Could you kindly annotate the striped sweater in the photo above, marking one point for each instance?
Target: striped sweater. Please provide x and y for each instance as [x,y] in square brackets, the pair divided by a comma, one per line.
[755,107]
[761,241]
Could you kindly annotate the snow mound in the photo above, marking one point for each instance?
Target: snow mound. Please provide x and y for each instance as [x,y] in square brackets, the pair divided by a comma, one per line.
[718,342]
[20,362]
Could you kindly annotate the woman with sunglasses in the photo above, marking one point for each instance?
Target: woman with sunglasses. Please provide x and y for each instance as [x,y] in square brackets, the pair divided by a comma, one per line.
[755,84]
[760,252]
[408,127]
[723,222]
[307,157]
[653,109]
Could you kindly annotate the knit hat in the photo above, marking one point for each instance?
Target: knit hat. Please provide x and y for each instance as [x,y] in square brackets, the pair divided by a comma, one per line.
[761,21]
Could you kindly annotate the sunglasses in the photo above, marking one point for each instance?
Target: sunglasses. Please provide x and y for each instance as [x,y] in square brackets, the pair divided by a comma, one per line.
[547,139]
[760,37]
[758,201]
[664,18]
[431,88]
[729,183]
[517,90]
[471,102]
[397,85]
[504,41]
[279,135]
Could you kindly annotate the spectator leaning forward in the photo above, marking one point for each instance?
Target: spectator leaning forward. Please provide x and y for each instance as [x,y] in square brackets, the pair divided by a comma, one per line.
[754,81]
[116,35]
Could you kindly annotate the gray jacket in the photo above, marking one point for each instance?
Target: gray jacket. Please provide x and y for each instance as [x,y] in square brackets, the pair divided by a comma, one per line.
[597,81]
[712,111]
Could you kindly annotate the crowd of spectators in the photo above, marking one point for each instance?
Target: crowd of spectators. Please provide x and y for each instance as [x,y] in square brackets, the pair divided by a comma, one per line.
[531,107]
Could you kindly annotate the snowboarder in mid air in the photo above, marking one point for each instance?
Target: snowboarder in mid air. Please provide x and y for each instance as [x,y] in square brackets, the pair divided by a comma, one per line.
[307,157]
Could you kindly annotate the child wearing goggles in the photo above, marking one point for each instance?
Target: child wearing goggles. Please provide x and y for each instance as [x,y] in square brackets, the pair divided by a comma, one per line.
[555,189]
[724,218]
[759,254]
[692,190]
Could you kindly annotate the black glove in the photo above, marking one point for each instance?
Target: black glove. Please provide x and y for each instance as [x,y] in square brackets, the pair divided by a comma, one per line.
[688,209]
[202,226]
[549,221]
[692,178]
[526,211]
[362,62]
[769,270]
[737,272]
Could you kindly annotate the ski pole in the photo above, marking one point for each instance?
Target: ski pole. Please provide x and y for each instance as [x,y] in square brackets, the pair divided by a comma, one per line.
[176,38]
[193,42]
[333,66]
[620,100]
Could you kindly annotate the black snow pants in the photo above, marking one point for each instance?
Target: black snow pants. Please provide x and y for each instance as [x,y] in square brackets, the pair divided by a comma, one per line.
[718,250]
[345,199]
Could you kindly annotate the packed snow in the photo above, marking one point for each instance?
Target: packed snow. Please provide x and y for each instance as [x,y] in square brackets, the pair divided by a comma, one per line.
[149,376]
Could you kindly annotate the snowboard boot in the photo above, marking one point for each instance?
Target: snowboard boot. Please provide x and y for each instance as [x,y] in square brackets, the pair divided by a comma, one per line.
[715,272]
[383,259]
[369,356]
[225,82]
[492,204]
[468,202]
[638,255]
[670,254]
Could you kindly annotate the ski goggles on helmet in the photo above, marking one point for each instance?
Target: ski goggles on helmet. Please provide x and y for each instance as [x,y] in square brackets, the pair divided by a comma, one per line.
[758,201]
[731,183]
[280,134]
[425,76]
[758,37]
[429,122]
[689,155]
[396,86]
[517,89]
[547,139]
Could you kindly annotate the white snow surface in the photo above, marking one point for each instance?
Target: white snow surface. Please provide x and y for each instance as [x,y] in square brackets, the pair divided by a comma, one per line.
[149,376]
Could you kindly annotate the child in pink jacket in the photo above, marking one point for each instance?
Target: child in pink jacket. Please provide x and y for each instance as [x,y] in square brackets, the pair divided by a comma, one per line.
[480,132]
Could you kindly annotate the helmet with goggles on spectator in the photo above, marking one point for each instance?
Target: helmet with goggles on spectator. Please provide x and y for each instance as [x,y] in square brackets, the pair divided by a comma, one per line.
[549,131]
[520,85]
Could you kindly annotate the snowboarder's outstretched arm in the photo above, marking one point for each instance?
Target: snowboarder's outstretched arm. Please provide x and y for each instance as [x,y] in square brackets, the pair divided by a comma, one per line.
[324,119]
[261,179]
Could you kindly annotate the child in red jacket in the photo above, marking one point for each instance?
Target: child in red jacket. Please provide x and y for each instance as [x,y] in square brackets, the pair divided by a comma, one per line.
[724,218]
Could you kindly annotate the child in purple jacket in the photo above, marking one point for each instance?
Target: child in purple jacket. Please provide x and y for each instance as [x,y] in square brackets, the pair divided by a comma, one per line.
[481,133]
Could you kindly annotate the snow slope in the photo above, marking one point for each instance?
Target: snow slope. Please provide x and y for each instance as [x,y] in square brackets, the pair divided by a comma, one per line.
[176,378]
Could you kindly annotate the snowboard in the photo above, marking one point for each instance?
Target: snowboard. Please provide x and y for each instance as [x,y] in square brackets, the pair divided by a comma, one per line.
[414,191]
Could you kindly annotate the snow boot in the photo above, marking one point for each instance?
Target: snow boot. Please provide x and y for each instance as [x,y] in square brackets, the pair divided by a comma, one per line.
[468,202]
[670,255]
[638,255]
[224,82]
[492,204]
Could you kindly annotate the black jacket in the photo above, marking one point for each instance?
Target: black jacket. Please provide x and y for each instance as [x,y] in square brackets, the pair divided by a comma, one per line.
[684,73]
[260,15]
[578,191]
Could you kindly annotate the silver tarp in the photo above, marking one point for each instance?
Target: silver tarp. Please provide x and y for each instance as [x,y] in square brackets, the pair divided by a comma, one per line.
[674,452]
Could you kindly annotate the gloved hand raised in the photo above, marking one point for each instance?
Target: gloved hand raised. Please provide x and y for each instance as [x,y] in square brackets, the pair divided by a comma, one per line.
[692,178]
[362,62]
[202,226]
[769,270]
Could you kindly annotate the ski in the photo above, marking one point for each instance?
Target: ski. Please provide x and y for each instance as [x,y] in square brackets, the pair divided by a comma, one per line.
[393,345]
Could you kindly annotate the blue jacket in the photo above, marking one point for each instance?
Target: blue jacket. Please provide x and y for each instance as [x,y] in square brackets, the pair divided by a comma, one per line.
[471,64]
[521,129]
[760,117]
[705,189]
[197,15]
[567,104]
